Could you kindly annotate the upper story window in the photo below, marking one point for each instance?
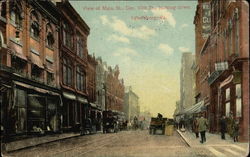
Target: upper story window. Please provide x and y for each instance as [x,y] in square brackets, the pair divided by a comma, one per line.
[80,78]
[34,27]
[49,36]
[3,9]
[67,36]
[67,72]
[16,14]
[79,47]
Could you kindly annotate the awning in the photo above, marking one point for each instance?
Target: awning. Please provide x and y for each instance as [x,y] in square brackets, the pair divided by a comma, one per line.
[69,96]
[36,60]
[17,50]
[195,108]
[226,81]
[82,100]
[93,105]
[35,88]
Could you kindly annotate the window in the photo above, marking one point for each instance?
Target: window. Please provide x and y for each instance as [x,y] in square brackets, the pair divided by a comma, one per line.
[3,9]
[79,47]
[50,40]
[36,72]
[49,36]
[34,27]
[67,36]
[20,111]
[67,72]
[238,100]
[80,78]
[230,37]
[227,94]
[50,78]
[236,17]
[18,64]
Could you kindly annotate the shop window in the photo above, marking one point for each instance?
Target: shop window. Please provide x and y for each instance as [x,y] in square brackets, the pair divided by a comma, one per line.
[80,78]
[67,36]
[36,112]
[227,109]
[34,27]
[52,123]
[50,78]
[67,72]
[227,94]
[19,115]
[238,101]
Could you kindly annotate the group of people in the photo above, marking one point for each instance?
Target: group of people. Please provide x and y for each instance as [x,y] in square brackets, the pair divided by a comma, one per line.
[227,125]
[231,126]
[200,125]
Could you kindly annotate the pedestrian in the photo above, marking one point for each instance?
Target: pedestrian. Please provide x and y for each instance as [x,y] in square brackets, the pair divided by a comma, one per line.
[202,127]
[195,127]
[230,120]
[223,127]
[236,130]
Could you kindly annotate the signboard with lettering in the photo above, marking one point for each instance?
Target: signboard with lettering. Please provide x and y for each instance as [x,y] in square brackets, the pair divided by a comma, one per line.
[206,20]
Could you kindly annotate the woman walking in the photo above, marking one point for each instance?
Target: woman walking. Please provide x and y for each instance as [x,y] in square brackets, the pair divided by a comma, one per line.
[236,130]
[195,127]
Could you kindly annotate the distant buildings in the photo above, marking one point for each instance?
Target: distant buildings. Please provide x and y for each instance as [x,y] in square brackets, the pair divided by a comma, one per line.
[186,81]
[131,104]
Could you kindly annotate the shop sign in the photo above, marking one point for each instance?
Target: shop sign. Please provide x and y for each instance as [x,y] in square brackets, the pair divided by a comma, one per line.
[221,66]
[206,20]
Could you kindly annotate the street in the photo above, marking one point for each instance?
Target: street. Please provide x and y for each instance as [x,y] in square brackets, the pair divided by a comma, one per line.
[128,144]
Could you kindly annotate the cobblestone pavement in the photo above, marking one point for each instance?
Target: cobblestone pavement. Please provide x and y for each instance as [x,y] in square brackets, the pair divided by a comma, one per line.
[129,144]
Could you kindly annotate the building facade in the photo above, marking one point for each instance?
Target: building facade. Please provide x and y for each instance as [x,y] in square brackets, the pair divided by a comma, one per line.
[73,66]
[222,58]
[101,76]
[29,72]
[115,90]
[186,81]
[131,104]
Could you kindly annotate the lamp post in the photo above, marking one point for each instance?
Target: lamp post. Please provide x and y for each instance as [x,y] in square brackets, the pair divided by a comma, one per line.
[105,95]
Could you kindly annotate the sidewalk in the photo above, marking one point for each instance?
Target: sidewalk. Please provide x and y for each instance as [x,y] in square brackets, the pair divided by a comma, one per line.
[15,145]
[211,140]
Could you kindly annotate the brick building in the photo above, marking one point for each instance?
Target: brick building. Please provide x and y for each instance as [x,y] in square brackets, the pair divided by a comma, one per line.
[114,90]
[29,74]
[95,108]
[222,61]
[73,66]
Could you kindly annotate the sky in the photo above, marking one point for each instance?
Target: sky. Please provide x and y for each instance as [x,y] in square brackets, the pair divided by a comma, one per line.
[146,39]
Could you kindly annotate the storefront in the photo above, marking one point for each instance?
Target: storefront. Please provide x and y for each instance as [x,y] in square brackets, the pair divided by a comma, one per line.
[29,110]
[230,96]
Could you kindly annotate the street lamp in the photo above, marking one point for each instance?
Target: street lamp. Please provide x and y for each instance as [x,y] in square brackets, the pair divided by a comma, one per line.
[105,95]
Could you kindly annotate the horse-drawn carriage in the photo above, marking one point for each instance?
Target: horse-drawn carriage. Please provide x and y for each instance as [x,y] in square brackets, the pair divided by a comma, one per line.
[110,122]
[157,125]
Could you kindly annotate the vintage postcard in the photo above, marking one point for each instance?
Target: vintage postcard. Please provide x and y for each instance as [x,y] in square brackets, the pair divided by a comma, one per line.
[82,78]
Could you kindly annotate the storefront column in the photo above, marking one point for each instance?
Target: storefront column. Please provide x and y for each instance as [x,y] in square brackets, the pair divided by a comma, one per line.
[244,128]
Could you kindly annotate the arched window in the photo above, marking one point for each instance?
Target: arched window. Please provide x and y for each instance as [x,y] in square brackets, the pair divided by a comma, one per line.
[34,27]
[67,35]
[79,46]
[16,14]
[49,36]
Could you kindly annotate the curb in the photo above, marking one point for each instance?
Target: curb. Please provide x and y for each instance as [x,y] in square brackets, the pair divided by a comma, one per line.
[184,138]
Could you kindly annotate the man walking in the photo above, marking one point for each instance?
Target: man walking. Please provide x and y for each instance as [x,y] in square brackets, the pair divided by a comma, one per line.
[223,127]
[202,127]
